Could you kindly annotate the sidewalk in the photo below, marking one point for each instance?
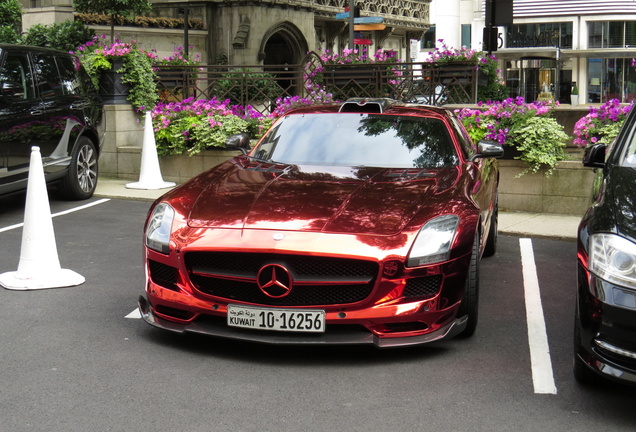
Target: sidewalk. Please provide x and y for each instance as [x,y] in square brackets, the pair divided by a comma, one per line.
[513,223]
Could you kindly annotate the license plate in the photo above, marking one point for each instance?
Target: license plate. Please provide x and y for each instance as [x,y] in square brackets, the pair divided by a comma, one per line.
[291,320]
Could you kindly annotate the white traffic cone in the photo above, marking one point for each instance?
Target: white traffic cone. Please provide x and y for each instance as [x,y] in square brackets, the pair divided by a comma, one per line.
[39,266]
[150,172]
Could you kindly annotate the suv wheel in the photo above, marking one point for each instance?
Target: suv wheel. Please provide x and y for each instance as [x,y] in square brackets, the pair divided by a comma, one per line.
[81,180]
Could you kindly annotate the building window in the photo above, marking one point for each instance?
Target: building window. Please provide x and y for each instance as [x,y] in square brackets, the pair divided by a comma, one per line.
[611,34]
[466,36]
[428,40]
[610,78]
[539,35]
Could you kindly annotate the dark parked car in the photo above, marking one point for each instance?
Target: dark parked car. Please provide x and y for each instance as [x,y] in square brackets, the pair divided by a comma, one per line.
[48,100]
[355,223]
[605,324]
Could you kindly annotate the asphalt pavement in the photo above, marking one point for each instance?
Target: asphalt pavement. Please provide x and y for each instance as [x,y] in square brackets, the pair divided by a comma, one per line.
[546,225]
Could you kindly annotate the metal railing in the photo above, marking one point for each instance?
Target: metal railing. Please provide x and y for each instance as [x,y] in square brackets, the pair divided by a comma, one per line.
[260,86]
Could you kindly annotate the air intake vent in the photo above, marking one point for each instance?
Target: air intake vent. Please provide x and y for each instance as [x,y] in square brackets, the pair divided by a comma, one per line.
[363,105]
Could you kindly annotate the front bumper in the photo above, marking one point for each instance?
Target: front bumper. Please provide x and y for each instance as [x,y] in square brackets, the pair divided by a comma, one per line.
[607,323]
[334,335]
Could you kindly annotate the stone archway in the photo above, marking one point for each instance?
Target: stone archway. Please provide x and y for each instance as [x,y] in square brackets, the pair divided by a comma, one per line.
[284,44]
[283,41]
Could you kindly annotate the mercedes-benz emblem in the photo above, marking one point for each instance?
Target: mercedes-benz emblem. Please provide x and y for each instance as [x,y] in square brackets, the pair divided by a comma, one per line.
[274,280]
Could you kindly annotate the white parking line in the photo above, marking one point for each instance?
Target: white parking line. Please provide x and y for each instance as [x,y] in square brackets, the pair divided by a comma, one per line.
[542,375]
[74,209]
[134,314]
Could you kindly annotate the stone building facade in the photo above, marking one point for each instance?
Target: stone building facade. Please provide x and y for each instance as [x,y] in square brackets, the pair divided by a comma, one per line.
[265,32]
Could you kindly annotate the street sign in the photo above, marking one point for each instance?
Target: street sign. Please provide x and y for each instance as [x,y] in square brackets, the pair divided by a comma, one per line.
[360,20]
[368,20]
[362,41]
[368,27]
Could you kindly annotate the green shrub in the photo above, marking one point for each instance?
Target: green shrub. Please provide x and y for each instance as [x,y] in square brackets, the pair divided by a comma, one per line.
[528,128]
[11,14]
[541,141]
[9,35]
[191,126]
[65,36]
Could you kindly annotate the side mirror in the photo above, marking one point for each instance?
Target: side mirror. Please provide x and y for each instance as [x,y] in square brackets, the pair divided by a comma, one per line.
[238,142]
[488,149]
[594,156]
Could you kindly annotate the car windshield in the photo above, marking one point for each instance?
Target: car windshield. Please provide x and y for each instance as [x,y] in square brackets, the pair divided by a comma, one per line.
[371,140]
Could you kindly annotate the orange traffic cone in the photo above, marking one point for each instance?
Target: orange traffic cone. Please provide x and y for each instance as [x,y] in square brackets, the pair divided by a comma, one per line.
[39,266]
[150,172]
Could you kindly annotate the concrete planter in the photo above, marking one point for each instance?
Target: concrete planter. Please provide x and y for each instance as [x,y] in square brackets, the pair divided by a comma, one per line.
[178,169]
[182,168]
[567,191]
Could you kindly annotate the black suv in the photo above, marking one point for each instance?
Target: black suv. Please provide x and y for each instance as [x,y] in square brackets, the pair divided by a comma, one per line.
[605,320]
[48,100]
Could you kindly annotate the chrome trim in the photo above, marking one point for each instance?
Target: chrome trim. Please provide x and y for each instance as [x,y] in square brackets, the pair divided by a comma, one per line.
[615,349]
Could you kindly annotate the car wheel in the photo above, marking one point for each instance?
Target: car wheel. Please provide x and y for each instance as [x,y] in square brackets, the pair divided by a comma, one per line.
[582,373]
[491,242]
[81,179]
[470,303]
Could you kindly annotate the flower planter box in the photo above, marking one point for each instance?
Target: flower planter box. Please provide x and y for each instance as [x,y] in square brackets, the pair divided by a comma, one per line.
[342,76]
[112,90]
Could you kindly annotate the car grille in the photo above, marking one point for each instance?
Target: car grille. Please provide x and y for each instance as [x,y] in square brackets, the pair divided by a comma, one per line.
[316,280]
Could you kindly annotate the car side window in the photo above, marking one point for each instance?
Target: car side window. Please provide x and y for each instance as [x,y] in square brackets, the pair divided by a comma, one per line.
[48,77]
[16,78]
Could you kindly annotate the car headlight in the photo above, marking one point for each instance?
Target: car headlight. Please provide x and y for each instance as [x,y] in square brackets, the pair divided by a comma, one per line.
[433,242]
[159,228]
[613,258]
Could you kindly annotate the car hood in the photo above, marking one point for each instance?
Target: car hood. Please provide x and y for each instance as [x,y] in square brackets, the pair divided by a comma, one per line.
[378,201]
[620,193]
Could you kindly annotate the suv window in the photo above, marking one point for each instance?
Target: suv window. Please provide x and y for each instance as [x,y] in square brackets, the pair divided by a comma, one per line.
[16,80]
[48,78]
[73,80]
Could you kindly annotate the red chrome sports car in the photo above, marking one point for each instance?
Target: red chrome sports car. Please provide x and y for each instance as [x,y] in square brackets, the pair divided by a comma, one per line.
[361,222]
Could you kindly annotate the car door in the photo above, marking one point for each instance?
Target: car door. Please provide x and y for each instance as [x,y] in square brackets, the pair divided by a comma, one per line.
[18,111]
[57,120]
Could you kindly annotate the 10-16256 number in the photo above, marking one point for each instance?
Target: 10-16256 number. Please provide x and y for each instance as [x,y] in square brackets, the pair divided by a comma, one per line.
[310,321]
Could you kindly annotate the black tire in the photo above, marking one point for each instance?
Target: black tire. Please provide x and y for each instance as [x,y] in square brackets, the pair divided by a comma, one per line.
[470,303]
[582,372]
[81,179]
[491,242]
